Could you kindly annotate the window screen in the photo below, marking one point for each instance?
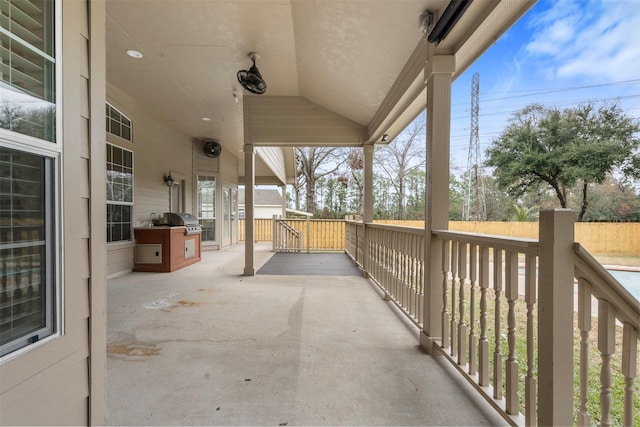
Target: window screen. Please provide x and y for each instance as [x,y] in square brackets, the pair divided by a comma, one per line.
[26,242]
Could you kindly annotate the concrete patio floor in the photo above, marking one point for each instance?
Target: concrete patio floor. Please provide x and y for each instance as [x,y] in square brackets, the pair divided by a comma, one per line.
[208,346]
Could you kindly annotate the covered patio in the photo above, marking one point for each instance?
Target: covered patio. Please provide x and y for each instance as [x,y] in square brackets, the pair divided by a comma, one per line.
[207,346]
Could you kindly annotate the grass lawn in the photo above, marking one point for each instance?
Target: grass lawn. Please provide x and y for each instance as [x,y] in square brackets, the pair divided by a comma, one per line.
[594,362]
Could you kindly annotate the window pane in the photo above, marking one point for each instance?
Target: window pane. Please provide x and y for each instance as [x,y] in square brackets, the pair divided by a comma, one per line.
[25,283]
[208,230]
[128,159]
[118,124]
[206,209]
[119,177]
[27,72]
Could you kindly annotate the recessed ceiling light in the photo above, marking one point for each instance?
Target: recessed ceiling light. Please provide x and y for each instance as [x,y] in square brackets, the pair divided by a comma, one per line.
[206,119]
[134,54]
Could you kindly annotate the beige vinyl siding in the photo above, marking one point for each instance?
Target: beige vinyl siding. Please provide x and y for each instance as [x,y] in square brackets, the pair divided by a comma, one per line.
[203,164]
[296,120]
[56,381]
[228,169]
[158,149]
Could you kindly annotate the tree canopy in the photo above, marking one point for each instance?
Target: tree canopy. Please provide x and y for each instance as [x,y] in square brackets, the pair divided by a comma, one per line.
[564,148]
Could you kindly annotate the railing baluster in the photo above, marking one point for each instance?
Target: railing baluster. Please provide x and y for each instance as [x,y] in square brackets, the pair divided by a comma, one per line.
[421,279]
[607,346]
[454,279]
[412,276]
[462,326]
[584,325]
[511,293]
[629,360]
[483,343]
[417,278]
[497,353]
[530,287]
[445,292]
[473,277]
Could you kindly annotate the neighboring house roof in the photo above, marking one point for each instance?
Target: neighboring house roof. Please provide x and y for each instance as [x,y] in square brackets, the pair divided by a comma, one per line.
[262,196]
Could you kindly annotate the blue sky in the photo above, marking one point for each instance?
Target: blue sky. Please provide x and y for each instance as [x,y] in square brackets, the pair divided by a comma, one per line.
[561,53]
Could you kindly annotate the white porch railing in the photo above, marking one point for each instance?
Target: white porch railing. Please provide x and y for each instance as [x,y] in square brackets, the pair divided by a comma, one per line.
[285,237]
[512,320]
[615,307]
[354,241]
[395,262]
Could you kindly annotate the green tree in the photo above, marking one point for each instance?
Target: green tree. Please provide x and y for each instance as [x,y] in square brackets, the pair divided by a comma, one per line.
[456,198]
[521,213]
[613,200]
[564,148]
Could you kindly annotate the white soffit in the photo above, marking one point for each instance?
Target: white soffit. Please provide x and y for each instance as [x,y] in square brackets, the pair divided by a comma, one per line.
[273,157]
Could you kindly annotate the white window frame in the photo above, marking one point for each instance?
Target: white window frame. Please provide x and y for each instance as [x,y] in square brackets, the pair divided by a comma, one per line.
[122,115]
[54,255]
[123,203]
[216,179]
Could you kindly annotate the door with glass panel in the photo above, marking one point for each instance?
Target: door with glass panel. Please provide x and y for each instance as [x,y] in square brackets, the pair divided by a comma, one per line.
[226,216]
[234,215]
[206,207]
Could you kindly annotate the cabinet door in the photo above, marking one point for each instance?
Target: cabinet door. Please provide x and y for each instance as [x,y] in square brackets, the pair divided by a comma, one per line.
[189,248]
[148,254]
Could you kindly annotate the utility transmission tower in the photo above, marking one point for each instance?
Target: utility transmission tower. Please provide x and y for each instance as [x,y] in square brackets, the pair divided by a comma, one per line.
[475,206]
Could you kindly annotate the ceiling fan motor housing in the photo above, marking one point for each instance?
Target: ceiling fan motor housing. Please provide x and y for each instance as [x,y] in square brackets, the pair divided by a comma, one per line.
[211,148]
[251,79]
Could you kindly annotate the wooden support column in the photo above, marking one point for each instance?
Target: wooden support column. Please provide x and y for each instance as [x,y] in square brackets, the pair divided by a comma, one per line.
[438,75]
[97,404]
[555,318]
[249,211]
[367,204]
[283,188]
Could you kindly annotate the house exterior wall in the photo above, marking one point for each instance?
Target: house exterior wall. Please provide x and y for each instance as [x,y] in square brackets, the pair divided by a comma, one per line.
[225,169]
[263,212]
[160,149]
[61,380]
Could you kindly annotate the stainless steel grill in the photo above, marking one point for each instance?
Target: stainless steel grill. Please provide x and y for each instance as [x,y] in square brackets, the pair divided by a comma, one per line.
[188,221]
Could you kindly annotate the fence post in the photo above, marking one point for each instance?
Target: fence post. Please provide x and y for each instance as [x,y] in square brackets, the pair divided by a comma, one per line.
[274,231]
[555,317]
[308,233]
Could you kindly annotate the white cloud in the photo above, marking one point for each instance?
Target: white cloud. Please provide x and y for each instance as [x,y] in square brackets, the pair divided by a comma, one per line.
[596,40]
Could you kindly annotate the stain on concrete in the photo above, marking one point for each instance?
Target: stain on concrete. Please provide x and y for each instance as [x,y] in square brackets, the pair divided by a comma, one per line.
[132,350]
[161,302]
[188,303]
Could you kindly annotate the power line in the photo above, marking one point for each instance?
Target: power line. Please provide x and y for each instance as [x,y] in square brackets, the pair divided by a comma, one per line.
[525,93]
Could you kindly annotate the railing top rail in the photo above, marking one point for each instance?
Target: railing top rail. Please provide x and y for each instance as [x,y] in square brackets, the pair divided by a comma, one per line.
[283,223]
[513,244]
[605,286]
[399,228]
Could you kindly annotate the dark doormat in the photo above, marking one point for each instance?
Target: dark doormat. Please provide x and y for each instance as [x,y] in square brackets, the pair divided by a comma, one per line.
[316,264]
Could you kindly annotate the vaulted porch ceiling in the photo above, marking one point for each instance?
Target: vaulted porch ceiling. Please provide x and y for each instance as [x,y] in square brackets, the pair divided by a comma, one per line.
[362,60]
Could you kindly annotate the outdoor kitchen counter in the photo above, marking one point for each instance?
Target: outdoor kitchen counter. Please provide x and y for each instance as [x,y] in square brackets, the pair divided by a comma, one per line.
[165,248]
